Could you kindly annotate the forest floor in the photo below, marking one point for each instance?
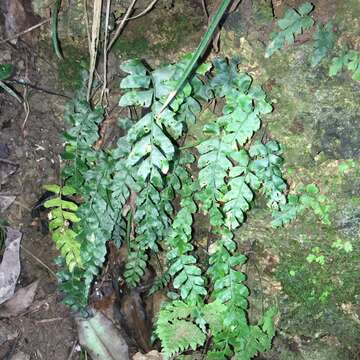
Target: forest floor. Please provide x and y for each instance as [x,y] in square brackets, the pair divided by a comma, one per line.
[30,148]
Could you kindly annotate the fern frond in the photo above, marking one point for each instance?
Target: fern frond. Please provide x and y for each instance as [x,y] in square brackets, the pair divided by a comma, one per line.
[62,217]
[287,212]
[79,141]
[241,184]
[266,165]
[214,165]
[308,197]
[350,60]
[135,266]
[184,269]
[292,24]
[153,146]
[176,331]
[324,42]
[228,282]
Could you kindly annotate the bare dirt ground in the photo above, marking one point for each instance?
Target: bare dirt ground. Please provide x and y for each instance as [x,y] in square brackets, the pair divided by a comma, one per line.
[46,331]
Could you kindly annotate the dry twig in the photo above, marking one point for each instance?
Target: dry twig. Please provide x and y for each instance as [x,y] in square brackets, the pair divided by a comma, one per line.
[39,261]
[121,25]
[95,32]
[106,33]
[25,31]
[148,8]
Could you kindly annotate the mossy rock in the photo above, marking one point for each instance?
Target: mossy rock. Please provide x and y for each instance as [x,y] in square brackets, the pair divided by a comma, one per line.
[308,266]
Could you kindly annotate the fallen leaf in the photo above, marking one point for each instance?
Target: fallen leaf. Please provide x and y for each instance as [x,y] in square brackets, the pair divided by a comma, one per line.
[6,201]
[10,265]
[7,168]
[152,355]
[20,356]
[8,332]
[4,151]
[20,301]
[101,338]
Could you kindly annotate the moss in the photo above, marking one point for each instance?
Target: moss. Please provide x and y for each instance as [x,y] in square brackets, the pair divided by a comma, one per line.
[262,12]
[133,47]
[316,294]
[163,34]
[69,69]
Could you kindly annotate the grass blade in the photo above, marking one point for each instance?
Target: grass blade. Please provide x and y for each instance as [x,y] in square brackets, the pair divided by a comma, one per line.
[54,29]
[198,53]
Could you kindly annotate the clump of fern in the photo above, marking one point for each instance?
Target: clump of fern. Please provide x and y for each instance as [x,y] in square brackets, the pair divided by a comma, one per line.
[127,195]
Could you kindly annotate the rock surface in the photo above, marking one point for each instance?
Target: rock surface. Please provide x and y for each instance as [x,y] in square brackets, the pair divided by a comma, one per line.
[316,118]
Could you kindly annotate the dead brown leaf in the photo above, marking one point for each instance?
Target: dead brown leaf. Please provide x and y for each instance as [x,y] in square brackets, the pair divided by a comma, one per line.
[20,302]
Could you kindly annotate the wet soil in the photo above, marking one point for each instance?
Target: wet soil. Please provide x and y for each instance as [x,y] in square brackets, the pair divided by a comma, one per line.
[48,331]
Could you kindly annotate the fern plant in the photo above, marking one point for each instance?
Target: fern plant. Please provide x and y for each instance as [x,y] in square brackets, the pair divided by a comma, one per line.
[153,148]
[294,23]
[308,198]
[127,195]
[224,190]
[349,60]
[324,39]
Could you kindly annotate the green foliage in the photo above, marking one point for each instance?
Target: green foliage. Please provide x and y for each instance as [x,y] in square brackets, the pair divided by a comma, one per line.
[349,60]
[316,256]
[62,217]
[153,148]
[266,166]
[54,28]
[6,70]
[91,174]
[186,274]
[342,245]
[309,198]
[226,182]
[128,196]
[3,224]
[177,329]
[324,41]
[294,23]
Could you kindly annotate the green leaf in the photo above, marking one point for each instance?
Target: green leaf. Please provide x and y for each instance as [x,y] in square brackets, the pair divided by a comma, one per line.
[68,190]
[175,332]
[6,70]
[137,98]
[134,66]
[56,189]
[312,189]
[294,23]
[350,60]
[337,64]
[324,42]
[215,19]
[54,29]
[135,81]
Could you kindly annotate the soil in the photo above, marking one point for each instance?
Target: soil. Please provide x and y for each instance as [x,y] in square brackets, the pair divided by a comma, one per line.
[48,331]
